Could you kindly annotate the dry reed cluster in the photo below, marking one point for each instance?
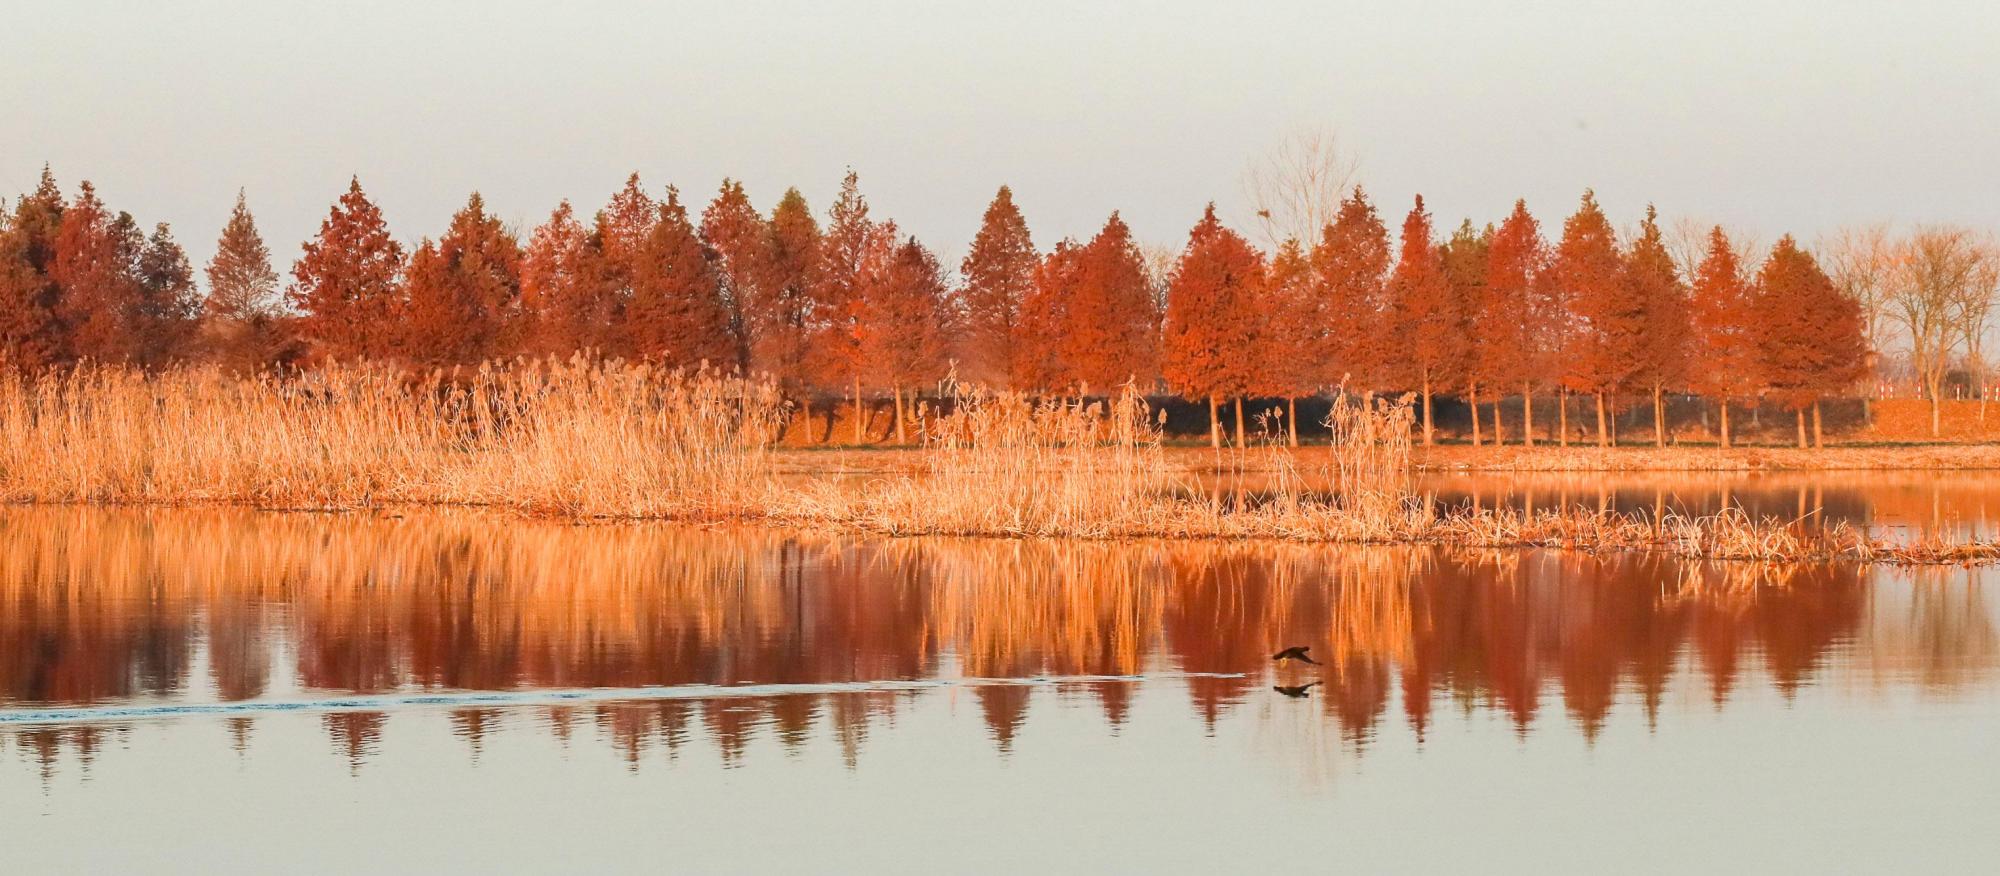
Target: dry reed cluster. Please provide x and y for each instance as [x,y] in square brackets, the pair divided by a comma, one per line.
[566,438]
[583,439]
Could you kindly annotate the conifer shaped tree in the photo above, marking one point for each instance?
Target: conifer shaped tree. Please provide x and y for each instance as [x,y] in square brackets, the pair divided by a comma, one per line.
[1663,300]
[1464,259]
[780,315]
[566,293]
[740,240]
[94,264]
[1808,337]
[906,318]
[236,319]
[165,311]
[1110,332]
[1723,364]
[676,316]
[30,334]
[626,222]
[999,274]
[464,292]
[1590,274]
[1292,336]
[837,300]
[1038,359]
[1429,335]
[241,284]
[1350,269]
[348,283]
[1509,341]
[1213,321]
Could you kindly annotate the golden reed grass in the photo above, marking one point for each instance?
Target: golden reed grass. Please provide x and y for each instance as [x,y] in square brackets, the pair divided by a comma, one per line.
[583,439]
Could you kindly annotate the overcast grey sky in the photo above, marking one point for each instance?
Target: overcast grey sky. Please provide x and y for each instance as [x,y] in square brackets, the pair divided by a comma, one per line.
[1771,116]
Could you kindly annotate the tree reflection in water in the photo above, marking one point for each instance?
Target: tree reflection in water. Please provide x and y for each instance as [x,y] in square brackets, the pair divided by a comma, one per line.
[112,607]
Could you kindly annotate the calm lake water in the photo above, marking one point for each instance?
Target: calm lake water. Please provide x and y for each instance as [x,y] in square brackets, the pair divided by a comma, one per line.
[201,690]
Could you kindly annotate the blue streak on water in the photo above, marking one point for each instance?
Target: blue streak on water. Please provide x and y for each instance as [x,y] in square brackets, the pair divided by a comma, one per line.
[385,702]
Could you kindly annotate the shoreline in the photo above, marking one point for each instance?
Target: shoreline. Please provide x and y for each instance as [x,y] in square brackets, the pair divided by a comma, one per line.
[845,459]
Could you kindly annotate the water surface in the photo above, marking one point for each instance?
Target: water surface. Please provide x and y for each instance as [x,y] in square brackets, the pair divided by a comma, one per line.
[194,690]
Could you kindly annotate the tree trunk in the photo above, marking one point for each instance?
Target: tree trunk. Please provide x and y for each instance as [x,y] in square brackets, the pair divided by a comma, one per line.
[1724,406]
[1801,415]
[1292,421]
[806,416]
[1659,419]
[1937,421]
[1499,429]
[860,435]
[1239,421]
[1562,418]
[901,437]
[1603,437]
[1527,415]
[1214,424]
[1427,410]
[1819,438]
[1472,403]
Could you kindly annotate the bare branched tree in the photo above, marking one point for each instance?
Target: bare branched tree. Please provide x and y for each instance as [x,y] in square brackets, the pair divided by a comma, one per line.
[1973,313]
[1296,187]
[1159,260]
[1860,260]
[1687,242]
[1929,291]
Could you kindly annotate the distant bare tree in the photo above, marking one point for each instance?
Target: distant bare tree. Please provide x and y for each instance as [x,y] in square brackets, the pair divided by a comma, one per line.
[1930,291]
[1860,260]
[1687,242]
[1159,260]
[1973,313]
[1296,187]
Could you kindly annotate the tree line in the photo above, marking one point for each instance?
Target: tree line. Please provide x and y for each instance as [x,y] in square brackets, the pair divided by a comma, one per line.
[849,305]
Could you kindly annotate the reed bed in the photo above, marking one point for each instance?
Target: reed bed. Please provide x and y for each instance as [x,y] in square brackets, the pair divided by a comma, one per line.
[570,438]
[583,439]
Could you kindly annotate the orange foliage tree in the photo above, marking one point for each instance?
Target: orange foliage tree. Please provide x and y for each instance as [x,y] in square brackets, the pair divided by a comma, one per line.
[838,294]
[1350,274]
[1723,357]
[1037,361]
[1288,351]
[780,313]
[676,316]
[1610,321]
[1809,338]
[30,335]
[740,241]
[999,274]
[1508,339]
[906,318]
[464,292]
[566,294]
[1213,320]
[97,296]
[1110,330]
[1464,257]
[1663,307]
[1429,336]
[348,283]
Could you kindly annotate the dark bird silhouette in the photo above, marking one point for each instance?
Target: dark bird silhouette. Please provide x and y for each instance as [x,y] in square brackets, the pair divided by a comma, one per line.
[1296,652]
[1297,692]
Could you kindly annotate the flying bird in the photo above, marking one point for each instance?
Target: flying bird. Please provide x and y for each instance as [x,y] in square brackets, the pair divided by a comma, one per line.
[1296,652]
[1297,692]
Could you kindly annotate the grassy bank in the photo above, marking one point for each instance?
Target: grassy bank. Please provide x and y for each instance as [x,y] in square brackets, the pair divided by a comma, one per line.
[587,440]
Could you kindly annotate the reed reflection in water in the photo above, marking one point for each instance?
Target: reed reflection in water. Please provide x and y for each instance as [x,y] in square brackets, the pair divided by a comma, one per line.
[134,607]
